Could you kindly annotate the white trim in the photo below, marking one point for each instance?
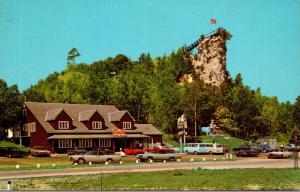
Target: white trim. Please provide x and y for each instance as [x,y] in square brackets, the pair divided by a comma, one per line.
[97,125]
[125,125]
[65,124]
[65,143]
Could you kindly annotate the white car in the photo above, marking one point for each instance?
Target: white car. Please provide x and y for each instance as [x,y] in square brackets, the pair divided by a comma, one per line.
[279,154]
[95,157]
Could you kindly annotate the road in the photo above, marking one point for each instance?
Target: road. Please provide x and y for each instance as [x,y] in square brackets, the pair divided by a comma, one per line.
[147,167]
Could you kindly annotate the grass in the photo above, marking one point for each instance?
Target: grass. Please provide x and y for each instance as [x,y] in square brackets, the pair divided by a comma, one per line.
[227,179]
[231,142]
[10,144]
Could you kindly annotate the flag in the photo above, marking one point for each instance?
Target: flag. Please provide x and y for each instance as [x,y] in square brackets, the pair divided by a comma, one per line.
[213,21]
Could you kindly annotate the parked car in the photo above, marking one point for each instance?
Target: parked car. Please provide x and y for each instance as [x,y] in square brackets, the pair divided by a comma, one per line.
[195,148]
[40,151]
[133,151]
[279,154]
[158,156]
[200,148]
[246,151]
[264,148]
[160,149]
[95,157]
[12,152]
[292,147]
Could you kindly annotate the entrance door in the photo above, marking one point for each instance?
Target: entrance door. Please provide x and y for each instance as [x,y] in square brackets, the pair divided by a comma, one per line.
[119,144]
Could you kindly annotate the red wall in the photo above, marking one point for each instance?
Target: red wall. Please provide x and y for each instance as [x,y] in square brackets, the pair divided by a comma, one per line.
[95,117]
[63,116]
[125,118]
[38,138]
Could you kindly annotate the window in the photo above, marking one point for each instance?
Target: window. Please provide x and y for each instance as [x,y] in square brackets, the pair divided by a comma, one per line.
[29,127]
[85,143]
[104,142]
[97,125]
[65,143]
[126,125]
[32,127]
[63,124]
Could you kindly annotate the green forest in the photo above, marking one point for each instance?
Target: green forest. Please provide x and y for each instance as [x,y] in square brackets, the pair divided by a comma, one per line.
[149,88]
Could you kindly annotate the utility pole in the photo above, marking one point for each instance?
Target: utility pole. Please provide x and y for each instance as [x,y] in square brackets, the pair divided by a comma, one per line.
[296,153]
[195,119]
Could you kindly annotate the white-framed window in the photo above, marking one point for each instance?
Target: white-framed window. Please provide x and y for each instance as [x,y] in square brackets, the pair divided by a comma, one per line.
[65,143]
[30,127]
[97,125]
[105,142]
[126,125]
[85,143]
[63,124]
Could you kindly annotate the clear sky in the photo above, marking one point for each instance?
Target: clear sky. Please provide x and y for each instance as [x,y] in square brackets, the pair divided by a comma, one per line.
[35,36]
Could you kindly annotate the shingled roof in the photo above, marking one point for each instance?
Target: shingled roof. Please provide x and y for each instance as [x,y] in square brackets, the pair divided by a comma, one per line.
[45,112]
[86,115]
[40,110]
[117,115]
[52,114]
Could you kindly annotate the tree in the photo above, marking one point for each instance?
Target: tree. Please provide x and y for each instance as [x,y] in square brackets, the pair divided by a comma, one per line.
[296,112]
[11,103]
[73,53]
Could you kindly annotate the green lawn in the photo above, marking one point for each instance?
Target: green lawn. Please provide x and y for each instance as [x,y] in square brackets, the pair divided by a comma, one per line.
[231,142]
[228,179]
[10,144]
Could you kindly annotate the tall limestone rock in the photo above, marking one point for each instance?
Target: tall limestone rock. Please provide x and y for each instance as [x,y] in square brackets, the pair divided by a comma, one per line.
[210,62]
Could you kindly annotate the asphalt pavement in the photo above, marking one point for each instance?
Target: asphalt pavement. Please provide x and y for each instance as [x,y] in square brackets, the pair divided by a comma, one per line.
[148,167]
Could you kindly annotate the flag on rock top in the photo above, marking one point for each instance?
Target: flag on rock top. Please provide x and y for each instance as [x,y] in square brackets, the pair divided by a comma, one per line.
[213,21]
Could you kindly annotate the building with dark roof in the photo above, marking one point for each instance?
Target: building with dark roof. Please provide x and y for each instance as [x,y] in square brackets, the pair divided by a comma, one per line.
[61,127]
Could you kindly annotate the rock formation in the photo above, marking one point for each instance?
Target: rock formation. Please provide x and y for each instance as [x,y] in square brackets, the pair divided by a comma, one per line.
[210,62]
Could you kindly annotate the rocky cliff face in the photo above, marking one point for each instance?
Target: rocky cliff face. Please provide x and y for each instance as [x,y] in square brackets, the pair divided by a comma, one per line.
[210,62]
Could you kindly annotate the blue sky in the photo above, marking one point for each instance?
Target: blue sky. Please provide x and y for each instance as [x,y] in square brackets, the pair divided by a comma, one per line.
[35,36]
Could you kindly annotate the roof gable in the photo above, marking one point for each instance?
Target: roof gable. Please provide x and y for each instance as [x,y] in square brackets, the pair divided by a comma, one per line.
[117,115]
[86,115]
[52,114]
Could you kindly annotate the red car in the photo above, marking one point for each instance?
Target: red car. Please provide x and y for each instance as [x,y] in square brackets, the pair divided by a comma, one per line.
[160,149]
[133,151]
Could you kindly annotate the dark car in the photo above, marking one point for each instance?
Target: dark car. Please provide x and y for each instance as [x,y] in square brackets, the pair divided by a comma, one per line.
[40,151]
[246,151]
[264,148]
[12,152]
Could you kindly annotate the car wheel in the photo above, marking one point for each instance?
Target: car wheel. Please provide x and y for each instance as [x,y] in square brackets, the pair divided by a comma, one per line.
[172,159]
[264,151]
[195,153]
[150,159]
[81,161]
[109,161]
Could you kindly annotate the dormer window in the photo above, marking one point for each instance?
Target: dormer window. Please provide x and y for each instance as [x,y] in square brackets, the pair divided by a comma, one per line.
[97,125]
[126,125]
[63,124]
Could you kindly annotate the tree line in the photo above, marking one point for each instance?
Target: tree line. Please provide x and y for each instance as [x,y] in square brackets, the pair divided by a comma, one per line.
[151,90]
